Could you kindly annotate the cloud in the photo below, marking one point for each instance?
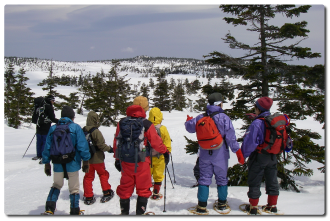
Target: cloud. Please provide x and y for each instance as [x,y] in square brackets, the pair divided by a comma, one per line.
[128,49]
[92,47]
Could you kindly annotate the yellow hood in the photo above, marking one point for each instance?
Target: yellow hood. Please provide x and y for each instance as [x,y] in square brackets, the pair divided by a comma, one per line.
[155,116]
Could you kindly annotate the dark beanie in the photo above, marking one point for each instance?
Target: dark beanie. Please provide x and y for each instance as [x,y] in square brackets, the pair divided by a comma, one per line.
[215,97]
[67,111]
[264,103]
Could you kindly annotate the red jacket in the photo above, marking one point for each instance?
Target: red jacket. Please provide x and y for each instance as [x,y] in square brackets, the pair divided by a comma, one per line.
[150,131]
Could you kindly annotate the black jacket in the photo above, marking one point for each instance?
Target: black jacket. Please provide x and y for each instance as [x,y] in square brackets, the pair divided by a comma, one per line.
[49,111]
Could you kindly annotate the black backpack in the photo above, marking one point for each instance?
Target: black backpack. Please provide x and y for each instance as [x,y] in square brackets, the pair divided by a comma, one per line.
[130,141]
[39,116]
[88,135]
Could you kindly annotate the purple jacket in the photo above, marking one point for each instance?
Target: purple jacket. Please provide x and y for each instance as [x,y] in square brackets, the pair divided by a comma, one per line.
[254,136]
[225,128]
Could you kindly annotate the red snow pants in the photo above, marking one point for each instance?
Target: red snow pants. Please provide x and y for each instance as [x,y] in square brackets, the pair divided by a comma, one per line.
[89,178]
[141,180]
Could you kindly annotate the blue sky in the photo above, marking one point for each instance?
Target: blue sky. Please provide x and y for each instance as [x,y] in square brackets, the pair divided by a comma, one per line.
[99,32]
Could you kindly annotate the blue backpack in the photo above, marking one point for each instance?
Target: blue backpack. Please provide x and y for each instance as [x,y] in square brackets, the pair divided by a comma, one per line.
[62,150]
[130,141]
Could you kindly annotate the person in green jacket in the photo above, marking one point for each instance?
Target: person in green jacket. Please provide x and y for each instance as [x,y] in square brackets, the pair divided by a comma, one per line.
[96,163]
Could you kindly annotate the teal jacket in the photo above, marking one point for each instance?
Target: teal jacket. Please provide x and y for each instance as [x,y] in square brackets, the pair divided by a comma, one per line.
[79,141]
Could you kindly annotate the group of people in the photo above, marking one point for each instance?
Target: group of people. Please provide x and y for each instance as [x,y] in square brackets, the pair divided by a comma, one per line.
[156,138]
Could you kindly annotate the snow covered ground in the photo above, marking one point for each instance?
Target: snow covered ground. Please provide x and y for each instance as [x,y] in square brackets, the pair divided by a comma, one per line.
[26,186]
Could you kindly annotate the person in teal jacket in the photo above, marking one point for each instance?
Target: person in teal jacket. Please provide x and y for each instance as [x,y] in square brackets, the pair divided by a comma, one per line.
[72,168]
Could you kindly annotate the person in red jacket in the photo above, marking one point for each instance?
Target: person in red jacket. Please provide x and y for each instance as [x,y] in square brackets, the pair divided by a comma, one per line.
[141,180]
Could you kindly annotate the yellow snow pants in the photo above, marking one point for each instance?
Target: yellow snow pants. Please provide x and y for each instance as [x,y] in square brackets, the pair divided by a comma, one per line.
[158,168]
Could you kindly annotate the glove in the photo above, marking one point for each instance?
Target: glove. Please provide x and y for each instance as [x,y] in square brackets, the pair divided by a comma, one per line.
[111,150]
[240,157]
[189,118]
[48,169]
[167,157]
[117,165]
[251,115]
[85,167]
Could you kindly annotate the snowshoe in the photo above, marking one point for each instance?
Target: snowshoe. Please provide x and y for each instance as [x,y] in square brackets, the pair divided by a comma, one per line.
[81,212]
[221,207]
[149,213]
[40,162]
[250,210]
[89,200]
[47,213]
[107,196]
[198,210]
[157,196]
[193,186]
[271,210]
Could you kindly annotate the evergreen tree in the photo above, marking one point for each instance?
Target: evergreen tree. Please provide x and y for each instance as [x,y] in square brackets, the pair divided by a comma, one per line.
[161,92]
[268,75]
[21,101]
[108,94]
[144,90]
[151,83]
[178,97]
[10,80]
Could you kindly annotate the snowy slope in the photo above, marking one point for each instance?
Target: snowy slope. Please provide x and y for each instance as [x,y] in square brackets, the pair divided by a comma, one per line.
[26,186]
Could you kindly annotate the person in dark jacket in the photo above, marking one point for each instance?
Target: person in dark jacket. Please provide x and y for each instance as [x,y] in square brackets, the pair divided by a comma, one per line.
[43,128]
[260,164]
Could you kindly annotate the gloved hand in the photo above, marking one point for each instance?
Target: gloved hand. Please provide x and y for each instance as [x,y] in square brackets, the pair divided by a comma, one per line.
[85,167]
[111,150]
[240,157]
[167,157]
[48,169]
[117,165]
[251,115]
[189,118]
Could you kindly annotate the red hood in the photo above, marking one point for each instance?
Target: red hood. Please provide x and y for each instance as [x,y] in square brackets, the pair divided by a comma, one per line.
[135,111]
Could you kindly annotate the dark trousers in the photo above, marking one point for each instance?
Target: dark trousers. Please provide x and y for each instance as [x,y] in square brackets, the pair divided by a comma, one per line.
[196,169]
[259,166]
[41,141]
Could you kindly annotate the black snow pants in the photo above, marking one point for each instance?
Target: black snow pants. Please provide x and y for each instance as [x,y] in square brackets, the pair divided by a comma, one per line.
[260,165]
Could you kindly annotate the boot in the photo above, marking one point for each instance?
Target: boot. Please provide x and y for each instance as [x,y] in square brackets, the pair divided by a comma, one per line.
[89,200]
[222,204]
[253,207]
[201,208]
[74,204]
[271,205]
[141,205]
[107,196]
[124,206]
[50,207]
[155,194]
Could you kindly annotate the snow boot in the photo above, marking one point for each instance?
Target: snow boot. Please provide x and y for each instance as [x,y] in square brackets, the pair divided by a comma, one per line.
[141,205]
[89,200]
[201,207]
[52,199]
[155,194]
[107,196]
[271,205]
[124,206]
[40,162]
[74,204]
[36,158]
[222,204]
[253,207]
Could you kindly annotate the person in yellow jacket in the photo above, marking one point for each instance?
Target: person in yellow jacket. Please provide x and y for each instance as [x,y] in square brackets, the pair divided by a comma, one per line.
[159,160]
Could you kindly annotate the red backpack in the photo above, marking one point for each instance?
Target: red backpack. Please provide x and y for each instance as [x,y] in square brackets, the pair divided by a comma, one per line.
[276,135]
[207,133]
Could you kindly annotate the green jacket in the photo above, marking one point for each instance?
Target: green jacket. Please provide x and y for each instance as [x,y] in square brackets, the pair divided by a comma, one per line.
[97,138]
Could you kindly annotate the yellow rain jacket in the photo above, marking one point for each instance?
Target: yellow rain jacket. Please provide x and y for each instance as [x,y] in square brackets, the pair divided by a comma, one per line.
[158,161]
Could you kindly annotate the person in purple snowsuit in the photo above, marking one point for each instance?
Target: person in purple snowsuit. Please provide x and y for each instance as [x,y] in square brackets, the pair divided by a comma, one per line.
[215,161]
[260,164]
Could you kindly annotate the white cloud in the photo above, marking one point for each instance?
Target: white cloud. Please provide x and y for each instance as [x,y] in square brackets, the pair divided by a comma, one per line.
[128,49]
[92,47]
